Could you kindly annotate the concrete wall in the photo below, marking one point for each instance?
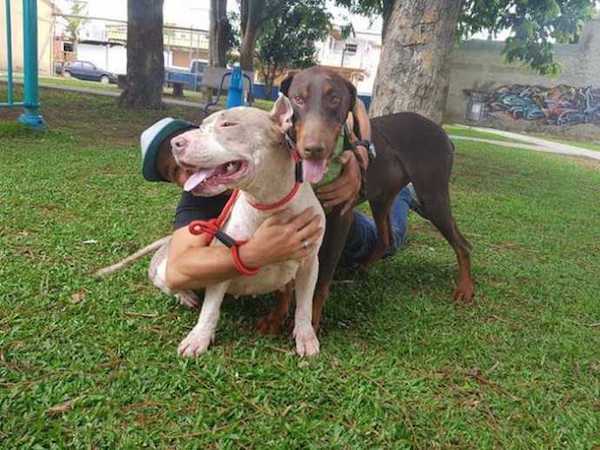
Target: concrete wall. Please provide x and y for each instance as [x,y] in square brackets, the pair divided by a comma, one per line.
[45,33]
[479,65]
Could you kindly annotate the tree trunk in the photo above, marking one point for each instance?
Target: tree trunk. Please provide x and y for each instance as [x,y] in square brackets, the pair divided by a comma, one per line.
[218,33]
[252,15]
[412,75]
[248,47]
[145,58]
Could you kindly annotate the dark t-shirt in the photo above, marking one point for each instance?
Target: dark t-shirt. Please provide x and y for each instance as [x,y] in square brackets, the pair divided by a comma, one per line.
[192,208]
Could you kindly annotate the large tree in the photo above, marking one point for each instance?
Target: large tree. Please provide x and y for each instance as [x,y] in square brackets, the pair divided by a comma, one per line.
[253,15]
[418,35]
[288,40]
[145,58]
[219,33]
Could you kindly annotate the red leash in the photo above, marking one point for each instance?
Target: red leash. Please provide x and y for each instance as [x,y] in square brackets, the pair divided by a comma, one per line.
[212,227]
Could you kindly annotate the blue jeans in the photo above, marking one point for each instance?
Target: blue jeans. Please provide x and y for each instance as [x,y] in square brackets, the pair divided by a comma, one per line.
[363,232]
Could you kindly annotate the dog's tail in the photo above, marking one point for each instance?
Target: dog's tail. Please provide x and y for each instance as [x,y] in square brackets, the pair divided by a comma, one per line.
[132,258]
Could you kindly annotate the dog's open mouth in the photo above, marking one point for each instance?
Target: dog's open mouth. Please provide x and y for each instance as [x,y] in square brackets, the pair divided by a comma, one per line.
[314,169]
[223,174]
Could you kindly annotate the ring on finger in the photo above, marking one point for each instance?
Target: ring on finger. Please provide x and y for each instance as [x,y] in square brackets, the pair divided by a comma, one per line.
[305,244]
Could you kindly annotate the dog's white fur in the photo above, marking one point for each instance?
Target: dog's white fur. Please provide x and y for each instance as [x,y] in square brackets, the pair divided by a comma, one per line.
[258,140]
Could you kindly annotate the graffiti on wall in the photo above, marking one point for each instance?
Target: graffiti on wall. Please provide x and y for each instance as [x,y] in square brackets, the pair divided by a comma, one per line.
[561,105]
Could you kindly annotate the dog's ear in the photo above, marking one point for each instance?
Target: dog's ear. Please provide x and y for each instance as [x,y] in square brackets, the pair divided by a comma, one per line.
[284,87]
[282,113]
[352,91]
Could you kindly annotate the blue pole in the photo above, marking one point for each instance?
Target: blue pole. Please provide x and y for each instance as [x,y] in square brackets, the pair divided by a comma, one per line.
[31,116]
[235,95]
[9,62]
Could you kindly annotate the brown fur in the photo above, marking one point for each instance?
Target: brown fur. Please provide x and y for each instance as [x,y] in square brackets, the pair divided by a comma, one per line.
[410,148]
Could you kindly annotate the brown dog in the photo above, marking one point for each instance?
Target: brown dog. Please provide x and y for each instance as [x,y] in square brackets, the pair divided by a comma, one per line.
[410,148]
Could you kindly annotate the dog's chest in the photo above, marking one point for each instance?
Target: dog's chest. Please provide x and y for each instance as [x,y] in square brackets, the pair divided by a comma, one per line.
[242,224]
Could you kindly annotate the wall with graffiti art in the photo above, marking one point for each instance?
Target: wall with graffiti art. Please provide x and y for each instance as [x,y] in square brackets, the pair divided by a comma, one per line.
[485,88]
[561,105]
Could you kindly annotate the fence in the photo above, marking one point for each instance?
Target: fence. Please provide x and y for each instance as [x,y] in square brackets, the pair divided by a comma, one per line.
[30,102]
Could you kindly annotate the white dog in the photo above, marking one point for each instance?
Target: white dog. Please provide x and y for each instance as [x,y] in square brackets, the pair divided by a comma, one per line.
[245,148]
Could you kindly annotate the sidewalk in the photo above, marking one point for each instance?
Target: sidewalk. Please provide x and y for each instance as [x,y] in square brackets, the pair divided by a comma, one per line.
[531,143]
[106,93]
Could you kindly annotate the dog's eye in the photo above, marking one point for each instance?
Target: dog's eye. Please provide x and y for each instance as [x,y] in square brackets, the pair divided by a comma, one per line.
[298,100]
[228,124]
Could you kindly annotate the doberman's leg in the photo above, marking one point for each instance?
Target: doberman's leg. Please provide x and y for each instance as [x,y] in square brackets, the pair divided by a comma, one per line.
[436,206]
[381,215]
[336,232]
[273,322]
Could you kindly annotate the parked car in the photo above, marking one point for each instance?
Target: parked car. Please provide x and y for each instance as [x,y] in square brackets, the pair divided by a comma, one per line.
[85,70]
[190,78]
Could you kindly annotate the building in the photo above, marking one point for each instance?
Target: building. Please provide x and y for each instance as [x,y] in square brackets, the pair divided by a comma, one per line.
[356,57]
[46,10]
[103,43]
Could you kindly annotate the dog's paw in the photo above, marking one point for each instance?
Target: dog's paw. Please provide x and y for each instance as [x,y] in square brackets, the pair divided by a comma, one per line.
[194,344]
[188,298]
[307,343]
[271,324]
[464,292]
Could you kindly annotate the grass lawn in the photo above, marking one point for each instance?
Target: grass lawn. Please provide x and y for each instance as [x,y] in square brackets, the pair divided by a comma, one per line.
[89,364]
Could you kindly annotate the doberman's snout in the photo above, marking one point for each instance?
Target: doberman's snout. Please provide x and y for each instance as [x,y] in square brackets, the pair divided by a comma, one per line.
[179,144]
[314,150]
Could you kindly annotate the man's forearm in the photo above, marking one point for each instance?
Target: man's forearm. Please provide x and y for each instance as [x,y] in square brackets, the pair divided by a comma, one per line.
[362,117]
[197,268]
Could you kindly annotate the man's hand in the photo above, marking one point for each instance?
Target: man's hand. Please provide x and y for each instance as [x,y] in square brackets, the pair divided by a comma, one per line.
[345,188]
[278,239]
[362,155]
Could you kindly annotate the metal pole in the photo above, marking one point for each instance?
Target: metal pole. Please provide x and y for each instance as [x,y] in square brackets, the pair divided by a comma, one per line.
[235,95]
[31,117]
[9,62]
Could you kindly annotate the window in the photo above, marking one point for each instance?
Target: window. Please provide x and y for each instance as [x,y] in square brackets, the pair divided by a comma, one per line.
[351,49]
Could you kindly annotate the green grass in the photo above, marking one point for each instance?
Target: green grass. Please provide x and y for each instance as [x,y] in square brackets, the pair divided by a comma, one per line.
[93,364]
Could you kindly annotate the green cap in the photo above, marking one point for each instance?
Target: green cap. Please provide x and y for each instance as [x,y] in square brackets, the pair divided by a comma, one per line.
[151,139]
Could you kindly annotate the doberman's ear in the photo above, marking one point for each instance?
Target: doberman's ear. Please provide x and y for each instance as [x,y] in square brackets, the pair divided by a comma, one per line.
[284,87]
[282,113]
[352,90]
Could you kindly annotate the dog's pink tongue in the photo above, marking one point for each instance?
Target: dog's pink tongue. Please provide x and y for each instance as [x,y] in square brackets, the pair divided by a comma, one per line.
[314,170]
[196,178]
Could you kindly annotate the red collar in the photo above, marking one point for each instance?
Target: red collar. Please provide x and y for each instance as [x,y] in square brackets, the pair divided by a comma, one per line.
[290,195]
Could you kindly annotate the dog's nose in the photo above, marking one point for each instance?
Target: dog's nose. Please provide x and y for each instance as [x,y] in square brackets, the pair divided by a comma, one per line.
[179,144]
[314,150]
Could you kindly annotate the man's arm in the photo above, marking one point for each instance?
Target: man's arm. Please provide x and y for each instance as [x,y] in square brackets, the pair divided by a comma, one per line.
[364,126]
[191,264]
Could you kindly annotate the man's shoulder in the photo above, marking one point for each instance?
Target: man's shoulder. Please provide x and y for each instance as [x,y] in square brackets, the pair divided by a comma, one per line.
[191,207]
